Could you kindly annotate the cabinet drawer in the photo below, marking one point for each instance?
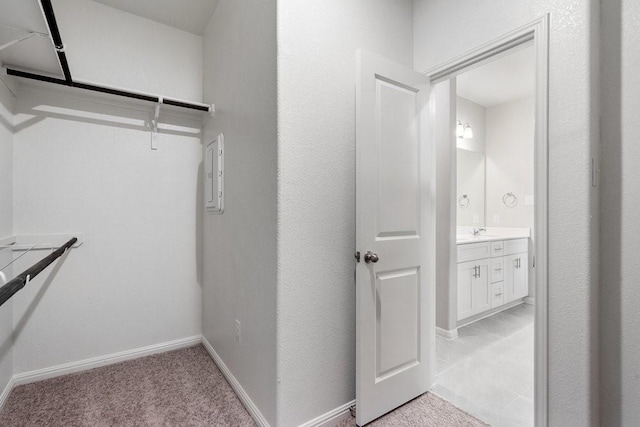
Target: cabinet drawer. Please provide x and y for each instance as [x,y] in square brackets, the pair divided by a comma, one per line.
[516,246]
[497,295]
[497,270]
[497,249]
[473,251]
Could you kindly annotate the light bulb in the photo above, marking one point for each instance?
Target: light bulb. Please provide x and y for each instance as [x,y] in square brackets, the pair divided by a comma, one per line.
[467,133]
[459,130]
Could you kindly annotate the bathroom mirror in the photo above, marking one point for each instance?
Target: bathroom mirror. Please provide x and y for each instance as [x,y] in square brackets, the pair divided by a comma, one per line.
[471,193]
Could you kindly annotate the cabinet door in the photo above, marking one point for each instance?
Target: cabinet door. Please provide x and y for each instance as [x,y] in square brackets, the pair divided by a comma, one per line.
[466,271]
[516,277]
[481,288]
[521,278]
[474,293]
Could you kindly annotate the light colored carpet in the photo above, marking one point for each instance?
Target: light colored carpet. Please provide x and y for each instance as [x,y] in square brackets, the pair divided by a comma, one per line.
[427,410]
[178,388]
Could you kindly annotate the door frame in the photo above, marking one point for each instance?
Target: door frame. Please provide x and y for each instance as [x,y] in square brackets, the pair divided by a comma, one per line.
[538,32]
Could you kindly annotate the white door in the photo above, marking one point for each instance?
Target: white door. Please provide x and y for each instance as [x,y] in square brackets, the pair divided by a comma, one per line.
[395,232]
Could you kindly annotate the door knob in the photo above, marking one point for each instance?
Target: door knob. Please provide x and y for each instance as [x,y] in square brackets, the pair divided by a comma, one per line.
[370,257]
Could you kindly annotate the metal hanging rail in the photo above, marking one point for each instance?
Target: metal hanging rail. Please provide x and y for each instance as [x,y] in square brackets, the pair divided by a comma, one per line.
[19,282]
[52,24]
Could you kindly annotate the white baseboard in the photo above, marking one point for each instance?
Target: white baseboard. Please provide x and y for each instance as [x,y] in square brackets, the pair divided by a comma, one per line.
[242,395]
[530,301]
[7,391]
[110,359]
[332,417]
[447,335]
[472,319]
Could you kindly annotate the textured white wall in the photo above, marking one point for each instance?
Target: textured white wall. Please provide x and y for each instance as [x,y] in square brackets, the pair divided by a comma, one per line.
[111,47]
[619,228]
[240,245]
[6,228]
[509,157]
[6,161]
[445,111]
[317,42]
[85,166]
[444,30]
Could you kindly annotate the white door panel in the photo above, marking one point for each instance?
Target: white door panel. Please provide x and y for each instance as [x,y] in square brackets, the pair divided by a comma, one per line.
[394,193]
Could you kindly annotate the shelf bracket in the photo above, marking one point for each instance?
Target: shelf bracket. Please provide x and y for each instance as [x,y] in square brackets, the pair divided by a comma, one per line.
[154,125]
[21,39]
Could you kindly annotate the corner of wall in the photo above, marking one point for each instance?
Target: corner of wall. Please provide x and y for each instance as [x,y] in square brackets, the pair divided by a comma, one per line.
[6,230]
[240,246]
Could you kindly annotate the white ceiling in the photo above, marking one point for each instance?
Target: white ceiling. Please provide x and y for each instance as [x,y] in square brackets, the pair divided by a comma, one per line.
[188,15]
[503,80]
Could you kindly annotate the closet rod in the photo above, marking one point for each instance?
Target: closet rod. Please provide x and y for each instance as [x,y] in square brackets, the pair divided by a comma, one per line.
[52,24]
[19,282]
[112,91]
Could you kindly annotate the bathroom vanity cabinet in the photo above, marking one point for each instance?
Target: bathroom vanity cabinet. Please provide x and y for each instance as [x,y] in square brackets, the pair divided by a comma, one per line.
[491,274]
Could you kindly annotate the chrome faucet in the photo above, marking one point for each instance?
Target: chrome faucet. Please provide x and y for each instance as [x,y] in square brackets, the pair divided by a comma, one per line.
[476,231]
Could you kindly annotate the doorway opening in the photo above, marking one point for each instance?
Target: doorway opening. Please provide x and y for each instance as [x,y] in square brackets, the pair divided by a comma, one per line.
[491,327]
[406,226]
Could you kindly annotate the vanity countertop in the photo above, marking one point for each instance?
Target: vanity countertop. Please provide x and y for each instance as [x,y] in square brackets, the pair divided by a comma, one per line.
[467,238]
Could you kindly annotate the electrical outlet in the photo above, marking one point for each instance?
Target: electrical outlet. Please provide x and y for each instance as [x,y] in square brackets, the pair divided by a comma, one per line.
[238,331]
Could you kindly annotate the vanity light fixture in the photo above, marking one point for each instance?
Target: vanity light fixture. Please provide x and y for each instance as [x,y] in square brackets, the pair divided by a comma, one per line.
[463,131]
[468,133]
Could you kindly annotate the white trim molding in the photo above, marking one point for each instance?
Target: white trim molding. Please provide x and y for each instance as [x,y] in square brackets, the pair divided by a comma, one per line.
[110,359]
[7,391]
[242,395]
[530,301]
[446,334]
[331,418]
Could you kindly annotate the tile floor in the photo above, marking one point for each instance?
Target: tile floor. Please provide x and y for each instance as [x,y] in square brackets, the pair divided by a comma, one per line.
[488,370]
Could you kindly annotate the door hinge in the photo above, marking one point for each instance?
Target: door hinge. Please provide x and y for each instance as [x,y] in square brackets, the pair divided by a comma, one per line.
[352,409]
[357,255]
